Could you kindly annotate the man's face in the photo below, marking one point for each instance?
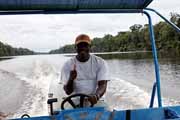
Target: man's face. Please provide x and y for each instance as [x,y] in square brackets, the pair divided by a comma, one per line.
[83,50]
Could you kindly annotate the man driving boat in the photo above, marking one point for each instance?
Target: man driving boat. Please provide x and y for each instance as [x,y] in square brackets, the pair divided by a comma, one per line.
[85,73]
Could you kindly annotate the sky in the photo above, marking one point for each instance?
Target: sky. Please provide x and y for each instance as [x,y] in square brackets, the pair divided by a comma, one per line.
[42,33]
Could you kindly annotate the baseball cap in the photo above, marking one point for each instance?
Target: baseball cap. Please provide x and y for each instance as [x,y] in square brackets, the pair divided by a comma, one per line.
[82,38]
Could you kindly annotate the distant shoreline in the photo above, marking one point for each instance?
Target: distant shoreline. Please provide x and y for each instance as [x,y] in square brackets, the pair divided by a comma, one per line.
[6,58]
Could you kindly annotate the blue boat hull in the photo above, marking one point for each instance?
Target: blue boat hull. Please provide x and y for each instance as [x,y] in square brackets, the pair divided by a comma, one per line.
[99,113]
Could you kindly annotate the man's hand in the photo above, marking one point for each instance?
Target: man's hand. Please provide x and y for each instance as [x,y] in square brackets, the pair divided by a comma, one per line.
[93,98]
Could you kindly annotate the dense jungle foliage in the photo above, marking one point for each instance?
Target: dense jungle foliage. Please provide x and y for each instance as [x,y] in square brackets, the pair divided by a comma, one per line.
[136,39]
[7,50]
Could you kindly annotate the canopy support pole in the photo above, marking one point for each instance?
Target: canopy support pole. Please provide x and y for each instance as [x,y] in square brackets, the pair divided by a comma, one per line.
[152,38]
[170,23]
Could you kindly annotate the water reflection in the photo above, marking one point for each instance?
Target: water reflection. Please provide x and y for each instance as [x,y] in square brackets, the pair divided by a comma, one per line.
[127,55]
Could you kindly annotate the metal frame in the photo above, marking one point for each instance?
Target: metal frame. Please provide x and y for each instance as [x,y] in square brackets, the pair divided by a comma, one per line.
[156,85]
[79,11]
[153,44]
[153,95]
[169,22]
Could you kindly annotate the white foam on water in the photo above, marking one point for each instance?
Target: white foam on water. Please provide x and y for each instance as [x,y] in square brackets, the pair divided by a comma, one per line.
[11,88]
[124,95]
[43,78]
[36,100]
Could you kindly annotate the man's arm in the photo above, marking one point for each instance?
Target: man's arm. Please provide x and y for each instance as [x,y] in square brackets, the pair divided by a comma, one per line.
[69,86]
[102,77]
[102,85]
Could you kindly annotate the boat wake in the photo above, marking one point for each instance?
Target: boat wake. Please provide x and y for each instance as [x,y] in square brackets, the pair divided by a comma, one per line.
[39,80]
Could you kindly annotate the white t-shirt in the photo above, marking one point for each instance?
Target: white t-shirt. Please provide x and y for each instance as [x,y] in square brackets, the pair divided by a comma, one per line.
[88,74]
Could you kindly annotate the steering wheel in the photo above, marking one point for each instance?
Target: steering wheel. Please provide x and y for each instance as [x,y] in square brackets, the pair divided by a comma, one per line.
[81,100]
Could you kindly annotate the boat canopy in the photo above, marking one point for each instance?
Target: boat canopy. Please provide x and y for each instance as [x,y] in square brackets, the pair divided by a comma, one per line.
[6,5]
